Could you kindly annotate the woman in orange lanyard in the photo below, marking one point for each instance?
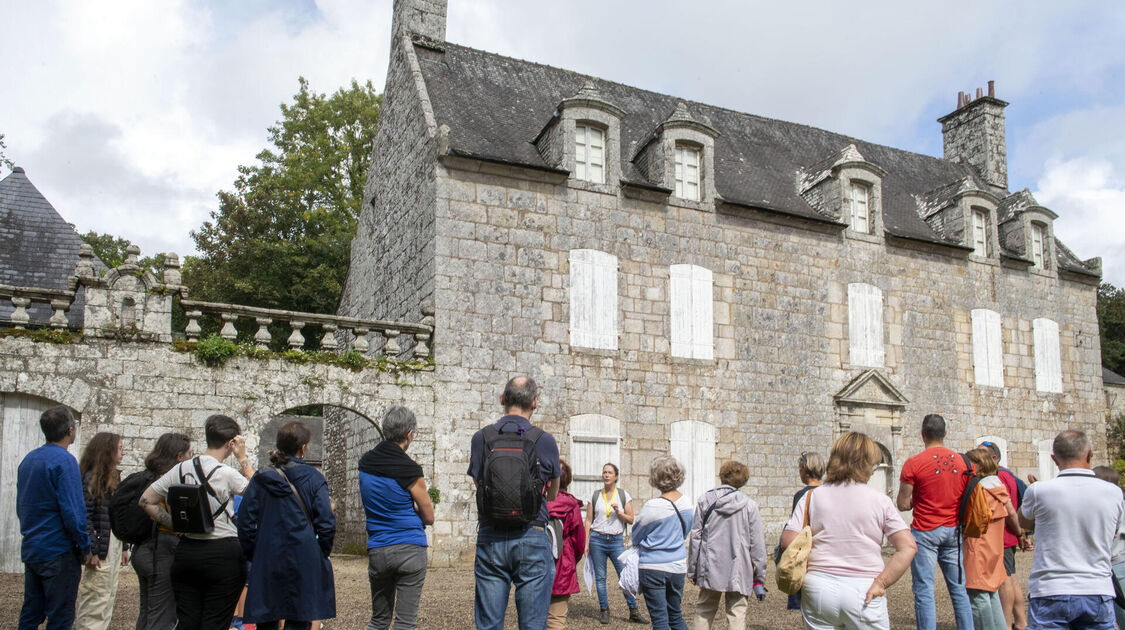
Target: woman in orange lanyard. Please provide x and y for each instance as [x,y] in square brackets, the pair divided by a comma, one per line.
[609,513]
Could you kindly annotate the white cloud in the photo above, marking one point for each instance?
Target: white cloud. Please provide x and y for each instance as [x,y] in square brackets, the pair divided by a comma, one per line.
[164,100]
[1089,197]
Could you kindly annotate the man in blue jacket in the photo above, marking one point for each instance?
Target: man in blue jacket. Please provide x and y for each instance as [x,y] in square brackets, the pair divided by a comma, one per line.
[52,517]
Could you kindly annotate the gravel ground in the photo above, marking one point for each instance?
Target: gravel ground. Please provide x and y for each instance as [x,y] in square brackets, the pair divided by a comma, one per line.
[447,602]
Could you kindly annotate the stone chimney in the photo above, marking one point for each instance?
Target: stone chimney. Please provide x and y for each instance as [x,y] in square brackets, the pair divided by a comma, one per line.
[974,134]
[419,17]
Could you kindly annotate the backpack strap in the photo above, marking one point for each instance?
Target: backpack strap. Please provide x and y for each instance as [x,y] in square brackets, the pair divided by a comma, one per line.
[621,498]
[204,480]
[296,495]
[962,510]
[710,509]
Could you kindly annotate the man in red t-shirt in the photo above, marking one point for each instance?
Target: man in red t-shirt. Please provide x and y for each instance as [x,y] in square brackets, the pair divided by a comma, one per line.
[931,484]
[1011,595]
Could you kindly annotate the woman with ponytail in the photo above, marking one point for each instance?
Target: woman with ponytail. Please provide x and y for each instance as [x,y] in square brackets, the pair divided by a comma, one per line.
[286,514]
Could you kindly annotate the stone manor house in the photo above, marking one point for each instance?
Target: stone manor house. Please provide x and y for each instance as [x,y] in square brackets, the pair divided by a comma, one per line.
[678,277]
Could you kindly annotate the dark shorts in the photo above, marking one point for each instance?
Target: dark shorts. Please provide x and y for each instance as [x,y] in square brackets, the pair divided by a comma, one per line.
[1010,560]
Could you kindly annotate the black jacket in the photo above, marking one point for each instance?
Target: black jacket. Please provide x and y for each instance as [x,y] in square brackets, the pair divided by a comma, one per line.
[97,518]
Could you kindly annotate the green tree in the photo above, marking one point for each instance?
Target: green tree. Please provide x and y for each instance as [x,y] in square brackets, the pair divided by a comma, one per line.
[110,250]
[1111,326]
[4,161]
[282,237]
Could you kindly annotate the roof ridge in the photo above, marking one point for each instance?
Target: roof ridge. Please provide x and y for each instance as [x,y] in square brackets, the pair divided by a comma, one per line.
[690,101]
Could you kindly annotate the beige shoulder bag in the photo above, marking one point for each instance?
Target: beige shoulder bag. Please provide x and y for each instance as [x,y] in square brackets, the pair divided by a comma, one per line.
[794,561]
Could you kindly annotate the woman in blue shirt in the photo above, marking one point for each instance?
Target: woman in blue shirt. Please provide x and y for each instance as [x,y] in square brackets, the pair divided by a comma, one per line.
[398,508]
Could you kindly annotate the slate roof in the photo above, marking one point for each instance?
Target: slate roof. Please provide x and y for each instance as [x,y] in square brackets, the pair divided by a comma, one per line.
[38,248]
[495,106]
[1110,377]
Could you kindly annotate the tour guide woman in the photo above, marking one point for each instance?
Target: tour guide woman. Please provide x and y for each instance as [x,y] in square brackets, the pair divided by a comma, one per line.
[610,509]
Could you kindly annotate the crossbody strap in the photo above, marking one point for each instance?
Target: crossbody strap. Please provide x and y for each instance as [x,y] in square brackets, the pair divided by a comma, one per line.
[808,505]
[683,525]
[296,495]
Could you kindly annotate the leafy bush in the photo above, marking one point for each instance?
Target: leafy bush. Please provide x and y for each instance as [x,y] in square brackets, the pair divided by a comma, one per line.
[435,494]
[214,351]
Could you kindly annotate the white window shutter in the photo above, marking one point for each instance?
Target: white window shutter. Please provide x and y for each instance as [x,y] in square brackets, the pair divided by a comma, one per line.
[1047,467]
[681,449]
[581,298]
[988,356]
[1048,362]
[702,314]
[605,301]
[595,440]
[865,325]
[693,446]
[680,294]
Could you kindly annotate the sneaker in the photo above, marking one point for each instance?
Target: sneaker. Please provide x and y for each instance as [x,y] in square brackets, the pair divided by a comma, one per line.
[236,623]
[605,616]
[635,616]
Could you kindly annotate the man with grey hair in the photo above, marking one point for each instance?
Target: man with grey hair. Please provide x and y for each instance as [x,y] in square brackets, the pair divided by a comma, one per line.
[398,509]
[1075,517]
[506,458]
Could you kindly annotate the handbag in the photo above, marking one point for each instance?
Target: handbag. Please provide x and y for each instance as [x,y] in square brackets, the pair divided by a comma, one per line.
[794,563]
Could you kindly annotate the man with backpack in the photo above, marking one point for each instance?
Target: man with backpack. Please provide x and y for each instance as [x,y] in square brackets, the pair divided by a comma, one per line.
[208,571]
[515,467]
[1076,517]
[931,484]
[52,515]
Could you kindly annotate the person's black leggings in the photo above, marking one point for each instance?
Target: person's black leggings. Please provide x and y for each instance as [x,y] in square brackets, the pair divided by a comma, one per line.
[207,578]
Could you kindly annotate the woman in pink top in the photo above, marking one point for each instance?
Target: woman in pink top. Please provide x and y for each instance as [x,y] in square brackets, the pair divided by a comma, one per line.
[846,577]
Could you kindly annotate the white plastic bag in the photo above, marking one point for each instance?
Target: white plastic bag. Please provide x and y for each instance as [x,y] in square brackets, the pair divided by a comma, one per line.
[588,575]
[629,580]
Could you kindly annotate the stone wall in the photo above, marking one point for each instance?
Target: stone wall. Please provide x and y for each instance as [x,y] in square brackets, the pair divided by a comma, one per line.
[781,342]
[141,390]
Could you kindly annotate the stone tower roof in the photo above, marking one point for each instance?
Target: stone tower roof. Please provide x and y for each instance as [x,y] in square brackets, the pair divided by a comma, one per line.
[38,248]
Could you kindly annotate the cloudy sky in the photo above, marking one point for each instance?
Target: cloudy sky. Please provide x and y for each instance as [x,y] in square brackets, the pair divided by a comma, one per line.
[129,116]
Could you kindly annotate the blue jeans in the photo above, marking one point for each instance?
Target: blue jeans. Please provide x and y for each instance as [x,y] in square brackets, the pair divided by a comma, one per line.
[1076,612]
[938,546]
[521,557]
[50,590]
[602,547]
[663,593]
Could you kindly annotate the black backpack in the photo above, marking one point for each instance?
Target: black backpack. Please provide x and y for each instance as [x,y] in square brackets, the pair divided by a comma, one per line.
[127,519]
[189,505]
[510,490]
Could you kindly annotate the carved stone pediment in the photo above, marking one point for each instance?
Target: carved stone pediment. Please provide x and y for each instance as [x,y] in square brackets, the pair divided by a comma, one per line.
[871,388]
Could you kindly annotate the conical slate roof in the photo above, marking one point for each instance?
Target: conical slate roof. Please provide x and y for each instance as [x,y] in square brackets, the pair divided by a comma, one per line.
[38,248]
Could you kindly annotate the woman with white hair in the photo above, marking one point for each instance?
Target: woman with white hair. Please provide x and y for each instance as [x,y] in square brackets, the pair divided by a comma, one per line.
[659,534]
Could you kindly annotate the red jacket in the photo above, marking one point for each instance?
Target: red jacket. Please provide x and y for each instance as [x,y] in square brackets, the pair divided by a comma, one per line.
[569,509]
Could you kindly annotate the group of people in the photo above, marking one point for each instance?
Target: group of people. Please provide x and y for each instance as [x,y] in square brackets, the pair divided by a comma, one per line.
[269,556]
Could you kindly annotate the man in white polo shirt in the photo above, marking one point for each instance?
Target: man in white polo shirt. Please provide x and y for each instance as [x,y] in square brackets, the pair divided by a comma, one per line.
[1075,517]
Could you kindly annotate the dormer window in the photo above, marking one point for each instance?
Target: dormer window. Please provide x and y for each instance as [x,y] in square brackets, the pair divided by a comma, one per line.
[1039,245]
[589,153]
[861,207]
[981,229]
[687,172]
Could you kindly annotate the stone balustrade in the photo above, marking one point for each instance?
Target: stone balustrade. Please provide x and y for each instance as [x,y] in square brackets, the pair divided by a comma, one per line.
[359,329]
[23,297]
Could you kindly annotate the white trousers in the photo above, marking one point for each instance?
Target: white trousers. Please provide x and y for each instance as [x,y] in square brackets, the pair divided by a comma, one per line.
[97,591]
[832,602]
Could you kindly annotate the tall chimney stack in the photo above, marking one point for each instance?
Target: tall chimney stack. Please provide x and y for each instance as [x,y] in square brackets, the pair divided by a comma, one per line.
[974,134]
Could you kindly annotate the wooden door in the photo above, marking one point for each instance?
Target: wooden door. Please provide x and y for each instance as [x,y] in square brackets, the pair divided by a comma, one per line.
[19,414]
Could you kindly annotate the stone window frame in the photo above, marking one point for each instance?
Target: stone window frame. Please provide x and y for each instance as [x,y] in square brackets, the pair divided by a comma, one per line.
[1044,249]
[576,112]
[691,134]
[871,176]
[969,203]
